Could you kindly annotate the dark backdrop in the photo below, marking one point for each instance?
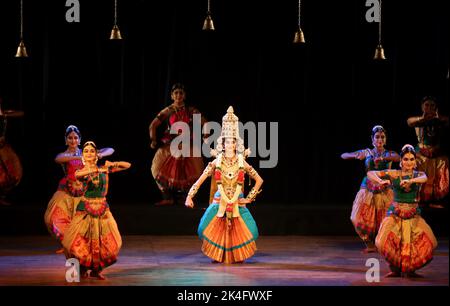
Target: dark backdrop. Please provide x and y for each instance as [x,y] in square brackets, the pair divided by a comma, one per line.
[326,95]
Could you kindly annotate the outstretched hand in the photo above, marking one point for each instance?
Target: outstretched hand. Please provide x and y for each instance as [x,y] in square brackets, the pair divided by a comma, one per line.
[385,182]
[153,144]
[189,203]
[243,201]
[405,184]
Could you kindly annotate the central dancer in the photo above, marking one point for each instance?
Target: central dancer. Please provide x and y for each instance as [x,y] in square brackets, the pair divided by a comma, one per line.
[227,228]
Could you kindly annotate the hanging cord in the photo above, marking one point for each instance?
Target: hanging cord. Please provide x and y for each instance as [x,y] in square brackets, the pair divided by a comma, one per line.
[299,12]
[115,12]
[21,19]
[379,26]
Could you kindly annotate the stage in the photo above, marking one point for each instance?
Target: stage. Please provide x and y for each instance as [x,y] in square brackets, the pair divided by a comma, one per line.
[149,260]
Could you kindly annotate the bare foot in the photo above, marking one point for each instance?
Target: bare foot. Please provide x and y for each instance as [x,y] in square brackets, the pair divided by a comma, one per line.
[393,274]
[84,273]
[98,275]
[60,251]
[369,250]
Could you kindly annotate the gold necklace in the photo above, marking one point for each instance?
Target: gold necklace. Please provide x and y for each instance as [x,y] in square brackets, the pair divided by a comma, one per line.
[95,179]
[376,153]
[176,109]
[229,162]
[76,152]
[404,173]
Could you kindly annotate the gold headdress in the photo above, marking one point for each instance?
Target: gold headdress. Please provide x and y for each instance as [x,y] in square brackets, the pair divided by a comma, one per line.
[230,129]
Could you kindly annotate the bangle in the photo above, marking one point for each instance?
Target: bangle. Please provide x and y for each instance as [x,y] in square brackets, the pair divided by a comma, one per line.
[208,169]
[252,194]
[193,191]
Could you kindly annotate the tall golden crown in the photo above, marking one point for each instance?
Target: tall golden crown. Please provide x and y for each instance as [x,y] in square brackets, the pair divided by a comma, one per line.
[230,129]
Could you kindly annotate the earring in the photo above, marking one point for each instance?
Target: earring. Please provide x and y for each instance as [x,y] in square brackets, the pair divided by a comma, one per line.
[82,160]
[401,165]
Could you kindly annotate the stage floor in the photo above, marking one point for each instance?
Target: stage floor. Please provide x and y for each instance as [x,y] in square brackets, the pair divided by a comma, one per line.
[178,261]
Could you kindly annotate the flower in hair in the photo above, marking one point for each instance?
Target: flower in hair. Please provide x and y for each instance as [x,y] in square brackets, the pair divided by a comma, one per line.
[377,127]
[409,147]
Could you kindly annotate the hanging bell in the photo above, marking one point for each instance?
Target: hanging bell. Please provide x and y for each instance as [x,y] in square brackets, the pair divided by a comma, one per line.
[115,33]
[299,37]
[21,50]
[208,25]
[379,53]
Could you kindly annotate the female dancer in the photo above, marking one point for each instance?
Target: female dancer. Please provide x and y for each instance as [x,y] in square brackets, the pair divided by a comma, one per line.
[62,205]
[430,157]
[227,228]
[372,200]
[10,165]
[175,174]
[93,236]
[404,238]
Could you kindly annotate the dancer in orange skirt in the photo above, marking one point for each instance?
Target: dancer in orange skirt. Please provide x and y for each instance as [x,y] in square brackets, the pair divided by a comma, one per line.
[174,175]
[64,201]
[10,166]
[431,158]
[227,228]
[372,200]
[93,236]
[404,239]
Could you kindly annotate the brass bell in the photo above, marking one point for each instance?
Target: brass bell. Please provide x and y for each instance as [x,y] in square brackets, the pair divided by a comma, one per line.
[299,37]
[115,33]
[208,24]
[379,53]
[21,50]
